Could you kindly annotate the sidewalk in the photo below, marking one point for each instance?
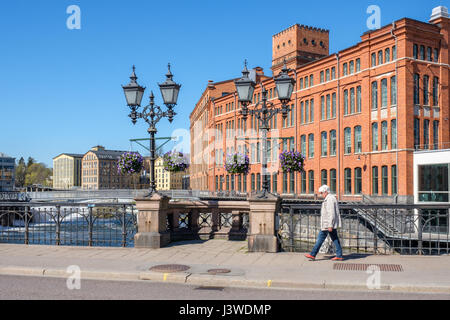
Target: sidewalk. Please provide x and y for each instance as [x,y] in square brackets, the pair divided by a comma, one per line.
[263,270]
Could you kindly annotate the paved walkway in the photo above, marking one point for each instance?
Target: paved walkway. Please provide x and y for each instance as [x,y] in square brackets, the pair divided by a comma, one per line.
[275,270]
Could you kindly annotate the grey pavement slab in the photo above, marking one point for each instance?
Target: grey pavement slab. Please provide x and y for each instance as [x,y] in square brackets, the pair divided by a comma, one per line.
[277,270]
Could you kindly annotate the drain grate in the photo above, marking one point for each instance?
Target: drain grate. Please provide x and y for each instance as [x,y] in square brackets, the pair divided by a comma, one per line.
[218,271]
[210,288]
[169,268]
[364,267]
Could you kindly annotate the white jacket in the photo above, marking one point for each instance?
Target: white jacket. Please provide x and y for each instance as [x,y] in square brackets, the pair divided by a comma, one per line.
[329,214]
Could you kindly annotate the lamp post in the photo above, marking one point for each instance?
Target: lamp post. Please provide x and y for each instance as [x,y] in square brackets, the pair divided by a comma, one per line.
[152,113]
[245,88]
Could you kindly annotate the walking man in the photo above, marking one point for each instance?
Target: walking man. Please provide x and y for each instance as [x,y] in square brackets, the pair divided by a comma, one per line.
[330,220]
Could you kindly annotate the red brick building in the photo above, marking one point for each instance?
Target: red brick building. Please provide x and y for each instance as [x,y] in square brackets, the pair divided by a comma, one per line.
[357,115]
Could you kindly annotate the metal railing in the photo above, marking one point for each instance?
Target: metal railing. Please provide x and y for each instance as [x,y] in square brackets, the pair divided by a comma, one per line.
[129,194]
[66,223]
[432,146]
[373,229]
[208,219]
[14,196]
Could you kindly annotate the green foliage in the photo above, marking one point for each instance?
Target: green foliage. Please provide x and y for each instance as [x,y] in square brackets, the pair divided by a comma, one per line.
[32,173]
[38,173]
[21,171]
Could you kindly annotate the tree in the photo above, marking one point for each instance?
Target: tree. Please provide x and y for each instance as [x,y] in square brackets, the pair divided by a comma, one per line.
[38,173]
[30,162]
[21,171]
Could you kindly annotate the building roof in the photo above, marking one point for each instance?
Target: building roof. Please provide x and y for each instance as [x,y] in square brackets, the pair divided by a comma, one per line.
[108,154]
[4,155]
[74,155]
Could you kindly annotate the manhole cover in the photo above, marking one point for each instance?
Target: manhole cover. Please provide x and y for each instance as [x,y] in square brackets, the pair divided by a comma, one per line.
[364,267]
[218,271]
[169,268]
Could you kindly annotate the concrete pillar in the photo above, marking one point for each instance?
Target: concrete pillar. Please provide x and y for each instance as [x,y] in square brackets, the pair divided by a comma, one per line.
[152,222]
[262,236]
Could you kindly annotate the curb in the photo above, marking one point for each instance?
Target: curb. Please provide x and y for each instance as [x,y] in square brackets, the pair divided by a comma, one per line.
[215,280]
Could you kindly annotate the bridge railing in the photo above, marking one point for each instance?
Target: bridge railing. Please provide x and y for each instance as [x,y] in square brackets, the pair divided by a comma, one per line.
[374,229]
[66,223]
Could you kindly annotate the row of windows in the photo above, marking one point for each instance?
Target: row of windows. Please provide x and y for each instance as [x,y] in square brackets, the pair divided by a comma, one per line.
[383,96]
[307,82]
[351,67]
[329,141]
[426,90]
[379,58]
[384,135]
[423,141]
[228,107]
[307,111]
[352,101]
[328,75]
[352,181]
[428,54]
[328,106]
[229,129]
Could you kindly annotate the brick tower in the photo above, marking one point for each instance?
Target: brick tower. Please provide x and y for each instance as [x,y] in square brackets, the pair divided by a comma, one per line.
[299,45]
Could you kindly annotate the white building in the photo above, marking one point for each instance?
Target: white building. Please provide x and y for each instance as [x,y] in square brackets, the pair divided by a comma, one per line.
[432,186]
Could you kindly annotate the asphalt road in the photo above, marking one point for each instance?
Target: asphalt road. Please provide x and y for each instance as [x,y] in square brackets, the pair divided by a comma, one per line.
[39,288]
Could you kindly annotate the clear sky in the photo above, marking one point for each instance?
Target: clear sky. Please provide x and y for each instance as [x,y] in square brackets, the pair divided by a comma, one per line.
[60,89]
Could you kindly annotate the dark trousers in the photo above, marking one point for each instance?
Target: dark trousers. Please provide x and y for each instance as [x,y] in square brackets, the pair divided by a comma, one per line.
[322,236]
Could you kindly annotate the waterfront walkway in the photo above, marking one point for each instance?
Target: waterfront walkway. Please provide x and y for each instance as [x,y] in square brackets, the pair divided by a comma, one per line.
[260,270]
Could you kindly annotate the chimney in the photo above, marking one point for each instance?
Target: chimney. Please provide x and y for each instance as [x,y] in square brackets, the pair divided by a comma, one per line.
[211,84]
[439,12]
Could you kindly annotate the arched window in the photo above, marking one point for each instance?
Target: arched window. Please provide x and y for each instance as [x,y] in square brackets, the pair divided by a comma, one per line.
[332,142]
[333,180]
[324,144]
[384,135]
[311,145]
[348,181]
[347,140]
[384,180]
[324,177]
[358,181]
[394,134]
[358,140]
[303,145]
[374,136]
[345,102]
[374,59]
[393,91]
[387,55]
[384,90]
[380,57]
[374,95]
[374,180]
[311,181]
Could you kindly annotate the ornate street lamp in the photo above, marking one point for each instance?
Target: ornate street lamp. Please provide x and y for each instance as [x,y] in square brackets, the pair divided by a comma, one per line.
[152,113]
[245,88]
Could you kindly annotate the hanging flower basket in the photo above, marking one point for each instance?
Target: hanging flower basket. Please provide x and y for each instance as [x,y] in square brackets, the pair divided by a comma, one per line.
[292,161]
[237,163]
[129,163]
[175,162]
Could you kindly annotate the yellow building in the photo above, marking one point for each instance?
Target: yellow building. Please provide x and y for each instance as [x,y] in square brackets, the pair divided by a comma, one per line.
[67,171]
[166,180]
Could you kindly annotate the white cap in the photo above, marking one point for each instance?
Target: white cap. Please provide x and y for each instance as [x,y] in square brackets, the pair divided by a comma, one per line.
[324,188]
[439,12]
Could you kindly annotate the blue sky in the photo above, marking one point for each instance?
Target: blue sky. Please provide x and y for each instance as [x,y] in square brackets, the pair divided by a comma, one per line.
[60,89]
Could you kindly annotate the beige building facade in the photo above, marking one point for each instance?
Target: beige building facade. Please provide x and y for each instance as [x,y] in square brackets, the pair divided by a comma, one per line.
[166,180]
[67,171]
